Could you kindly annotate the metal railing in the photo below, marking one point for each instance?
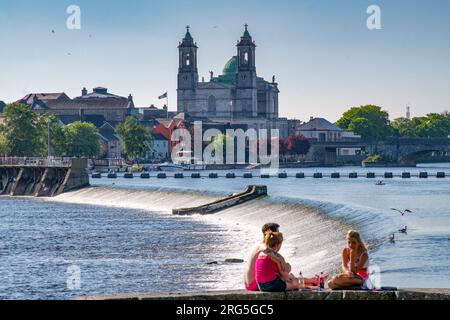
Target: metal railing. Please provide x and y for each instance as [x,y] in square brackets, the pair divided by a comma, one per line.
[36,162]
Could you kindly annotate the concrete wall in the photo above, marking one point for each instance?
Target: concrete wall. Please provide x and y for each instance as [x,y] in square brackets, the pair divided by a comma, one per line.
[410,294]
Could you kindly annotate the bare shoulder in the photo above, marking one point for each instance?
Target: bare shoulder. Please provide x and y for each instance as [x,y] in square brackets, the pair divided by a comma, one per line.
[346,251]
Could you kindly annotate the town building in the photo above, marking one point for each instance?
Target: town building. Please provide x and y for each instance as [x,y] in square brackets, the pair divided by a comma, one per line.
[99,102]
[110,142]
[2,106]
[159,148]
[321,130]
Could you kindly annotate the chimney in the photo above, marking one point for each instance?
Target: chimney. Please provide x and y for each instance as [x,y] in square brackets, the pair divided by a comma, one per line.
[84,92]
[311,118]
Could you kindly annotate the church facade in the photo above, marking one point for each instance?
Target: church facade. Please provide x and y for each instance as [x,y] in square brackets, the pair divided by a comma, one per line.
[235,95]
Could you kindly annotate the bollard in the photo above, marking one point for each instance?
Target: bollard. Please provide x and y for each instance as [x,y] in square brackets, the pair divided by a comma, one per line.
[335,175]
[213,175]
[282,175]
[248,175]
[318,175]
[370,175]
[265,176]
[440,175]
[145,175]
[128,175]
[423,175]
[161,176]
[388,175]
[97,175]
[112,175]
[230,175]
[300,175]
[195,176]
[406,175]
[353,175]
[179,176]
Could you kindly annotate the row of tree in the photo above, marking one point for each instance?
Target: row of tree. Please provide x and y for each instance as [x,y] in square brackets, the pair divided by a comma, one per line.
[372,123]
[26,133]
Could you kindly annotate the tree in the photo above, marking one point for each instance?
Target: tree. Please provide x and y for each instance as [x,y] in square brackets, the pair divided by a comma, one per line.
[58,141]
[22,131]
[295,145]
[83,140]
[136,139]
[3,145]
[433,125]
[370,122]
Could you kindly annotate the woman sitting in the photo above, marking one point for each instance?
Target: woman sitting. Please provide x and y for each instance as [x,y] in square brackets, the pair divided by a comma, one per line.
[355,264]
[269,275]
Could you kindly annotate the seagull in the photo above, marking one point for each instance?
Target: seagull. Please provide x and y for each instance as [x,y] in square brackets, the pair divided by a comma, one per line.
[392,238]
[402,212]
[405,230]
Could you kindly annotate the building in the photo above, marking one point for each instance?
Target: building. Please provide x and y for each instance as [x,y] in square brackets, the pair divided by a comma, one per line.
[2,106]
[99,102]
[159,149]
[321,130]
[236,94]
[110,142]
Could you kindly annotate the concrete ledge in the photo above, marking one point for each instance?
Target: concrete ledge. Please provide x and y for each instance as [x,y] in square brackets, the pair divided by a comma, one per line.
[410,294]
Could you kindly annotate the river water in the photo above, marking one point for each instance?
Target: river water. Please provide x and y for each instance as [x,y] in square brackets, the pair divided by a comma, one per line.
[121,236]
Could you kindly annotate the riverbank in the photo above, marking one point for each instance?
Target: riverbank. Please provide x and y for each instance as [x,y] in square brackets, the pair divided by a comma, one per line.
[400,294]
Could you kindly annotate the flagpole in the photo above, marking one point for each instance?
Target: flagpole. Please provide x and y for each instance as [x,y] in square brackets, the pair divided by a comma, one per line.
[167,104]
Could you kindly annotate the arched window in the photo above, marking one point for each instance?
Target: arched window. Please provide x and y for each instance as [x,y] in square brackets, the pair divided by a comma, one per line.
[212,105]
[245,57]
[188,59]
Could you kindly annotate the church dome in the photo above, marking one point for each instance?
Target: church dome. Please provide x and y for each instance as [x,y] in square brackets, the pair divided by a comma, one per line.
[231,67]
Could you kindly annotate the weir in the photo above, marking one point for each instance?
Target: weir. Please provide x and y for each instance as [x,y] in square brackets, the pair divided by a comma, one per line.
[41,177]
[251,193]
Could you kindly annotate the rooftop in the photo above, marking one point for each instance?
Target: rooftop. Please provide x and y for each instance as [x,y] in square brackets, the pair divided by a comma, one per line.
[319,124]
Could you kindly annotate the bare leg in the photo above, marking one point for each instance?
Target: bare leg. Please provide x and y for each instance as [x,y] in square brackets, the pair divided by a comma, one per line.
[344,281]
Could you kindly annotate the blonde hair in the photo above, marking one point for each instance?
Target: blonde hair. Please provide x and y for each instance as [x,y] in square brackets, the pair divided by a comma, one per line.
[352,234]
[272,239]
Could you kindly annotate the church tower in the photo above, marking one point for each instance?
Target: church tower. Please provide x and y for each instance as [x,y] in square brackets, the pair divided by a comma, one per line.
[187,71]
[246,88]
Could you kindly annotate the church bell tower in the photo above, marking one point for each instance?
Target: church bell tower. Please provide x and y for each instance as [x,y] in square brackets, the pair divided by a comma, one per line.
[246,88]
[187,71]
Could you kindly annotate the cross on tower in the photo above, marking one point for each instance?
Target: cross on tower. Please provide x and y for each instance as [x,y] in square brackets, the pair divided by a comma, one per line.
[187,28]
[246,27]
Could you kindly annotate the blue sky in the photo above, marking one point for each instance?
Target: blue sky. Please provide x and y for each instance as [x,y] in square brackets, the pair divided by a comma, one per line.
[324,57]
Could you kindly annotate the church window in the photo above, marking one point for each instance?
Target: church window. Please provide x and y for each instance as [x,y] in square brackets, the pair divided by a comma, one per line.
[246,58]
[188,59]
[212,104]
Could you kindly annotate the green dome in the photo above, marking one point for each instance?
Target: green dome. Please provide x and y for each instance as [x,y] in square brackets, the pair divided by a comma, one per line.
[231,67]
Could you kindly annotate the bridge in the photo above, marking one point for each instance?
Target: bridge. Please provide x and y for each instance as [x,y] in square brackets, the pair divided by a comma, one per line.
[404,151]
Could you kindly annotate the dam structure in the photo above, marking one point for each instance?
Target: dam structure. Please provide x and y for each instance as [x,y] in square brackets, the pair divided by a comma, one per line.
[42,177]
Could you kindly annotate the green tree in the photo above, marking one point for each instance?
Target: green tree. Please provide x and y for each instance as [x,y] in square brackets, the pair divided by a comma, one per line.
[49,123]
[433,125]
[22,131]
[3,145]
[370,122]
[83,140]
[136,139]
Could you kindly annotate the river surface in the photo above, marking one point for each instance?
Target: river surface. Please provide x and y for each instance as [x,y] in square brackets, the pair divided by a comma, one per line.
[121,237]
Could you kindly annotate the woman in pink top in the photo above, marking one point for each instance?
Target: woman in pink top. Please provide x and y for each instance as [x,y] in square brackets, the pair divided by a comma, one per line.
[269,274]
[355,264]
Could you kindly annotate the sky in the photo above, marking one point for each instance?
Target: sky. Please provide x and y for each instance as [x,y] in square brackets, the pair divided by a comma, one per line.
[324,57]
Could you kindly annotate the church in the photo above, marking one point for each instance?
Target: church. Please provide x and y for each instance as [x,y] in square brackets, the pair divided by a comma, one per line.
[236,95]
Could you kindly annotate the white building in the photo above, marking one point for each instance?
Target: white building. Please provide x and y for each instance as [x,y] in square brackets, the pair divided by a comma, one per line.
[159,149]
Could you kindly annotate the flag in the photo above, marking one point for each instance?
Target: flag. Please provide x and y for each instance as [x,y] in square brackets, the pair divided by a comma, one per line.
[164,96]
